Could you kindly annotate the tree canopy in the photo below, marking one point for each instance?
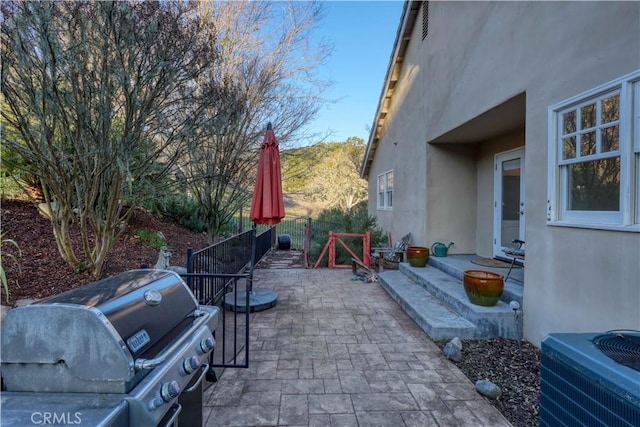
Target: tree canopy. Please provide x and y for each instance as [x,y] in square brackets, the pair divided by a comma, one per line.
[104,101]
[326,173]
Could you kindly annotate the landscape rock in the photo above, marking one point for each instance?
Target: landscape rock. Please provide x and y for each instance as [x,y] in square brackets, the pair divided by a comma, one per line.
[489,389]
[453,349]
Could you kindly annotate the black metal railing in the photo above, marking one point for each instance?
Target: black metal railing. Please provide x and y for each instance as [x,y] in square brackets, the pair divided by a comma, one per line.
[207,268]
[232,333]
[265,241]
[233,255]
[294,227]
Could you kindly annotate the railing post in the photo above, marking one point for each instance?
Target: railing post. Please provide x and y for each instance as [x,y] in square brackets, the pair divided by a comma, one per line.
[253,259]
[189,260]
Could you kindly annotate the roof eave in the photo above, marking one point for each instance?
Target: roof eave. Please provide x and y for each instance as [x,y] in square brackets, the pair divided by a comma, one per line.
[403,35]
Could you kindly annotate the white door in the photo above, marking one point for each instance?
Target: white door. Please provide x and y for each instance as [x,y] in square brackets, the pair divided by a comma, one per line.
[509,203]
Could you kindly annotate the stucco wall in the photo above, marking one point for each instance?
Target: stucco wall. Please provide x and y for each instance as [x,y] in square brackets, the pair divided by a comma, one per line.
[476,56]
[403,149]
[452,197]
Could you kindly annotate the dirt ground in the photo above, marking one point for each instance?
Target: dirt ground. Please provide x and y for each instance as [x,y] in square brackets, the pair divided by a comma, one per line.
[41,272]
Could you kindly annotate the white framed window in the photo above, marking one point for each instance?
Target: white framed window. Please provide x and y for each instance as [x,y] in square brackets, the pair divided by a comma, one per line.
[594,158]
[385,190]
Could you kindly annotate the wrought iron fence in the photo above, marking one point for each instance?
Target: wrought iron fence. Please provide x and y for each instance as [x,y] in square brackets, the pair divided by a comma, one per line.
[294,228]
[207,268]
[233,255]
[233,333]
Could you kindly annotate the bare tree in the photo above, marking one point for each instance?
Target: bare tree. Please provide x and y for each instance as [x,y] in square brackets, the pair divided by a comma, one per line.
[268,70]
[102,96]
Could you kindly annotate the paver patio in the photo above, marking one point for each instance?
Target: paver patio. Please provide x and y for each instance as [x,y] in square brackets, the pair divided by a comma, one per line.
[340,352]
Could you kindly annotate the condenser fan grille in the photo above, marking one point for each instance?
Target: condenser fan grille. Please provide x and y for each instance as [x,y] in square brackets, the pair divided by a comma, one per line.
[624,348]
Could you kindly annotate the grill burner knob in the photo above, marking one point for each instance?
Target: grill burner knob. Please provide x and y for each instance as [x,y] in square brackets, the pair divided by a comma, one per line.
[190,364]
[206,345]
[170,391]
[155,403]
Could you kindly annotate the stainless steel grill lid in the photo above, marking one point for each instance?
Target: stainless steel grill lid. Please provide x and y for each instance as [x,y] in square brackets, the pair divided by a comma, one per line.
[87,339]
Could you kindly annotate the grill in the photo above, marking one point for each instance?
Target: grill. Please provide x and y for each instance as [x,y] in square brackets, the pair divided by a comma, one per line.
[131,349]
[623,348]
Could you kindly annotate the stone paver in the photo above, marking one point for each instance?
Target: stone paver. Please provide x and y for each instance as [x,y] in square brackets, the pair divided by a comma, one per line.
[339,352]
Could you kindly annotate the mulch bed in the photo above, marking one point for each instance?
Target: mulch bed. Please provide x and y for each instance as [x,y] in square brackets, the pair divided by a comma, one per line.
[514,366]
[41,272]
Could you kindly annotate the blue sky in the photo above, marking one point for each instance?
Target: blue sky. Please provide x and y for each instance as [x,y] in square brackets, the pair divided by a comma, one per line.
[362,33]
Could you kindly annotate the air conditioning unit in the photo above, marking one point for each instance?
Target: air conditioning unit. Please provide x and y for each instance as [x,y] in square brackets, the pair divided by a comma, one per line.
[580,385]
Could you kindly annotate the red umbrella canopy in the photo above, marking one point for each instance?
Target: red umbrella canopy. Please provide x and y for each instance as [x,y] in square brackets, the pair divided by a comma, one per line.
[267,206]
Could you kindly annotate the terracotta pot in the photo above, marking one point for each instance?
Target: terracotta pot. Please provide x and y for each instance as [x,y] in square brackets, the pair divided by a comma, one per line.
[417,256]
[483,287]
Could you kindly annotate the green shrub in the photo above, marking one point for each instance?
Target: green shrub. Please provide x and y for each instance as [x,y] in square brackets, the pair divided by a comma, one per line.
[153,239]
[181,208]
[356,220]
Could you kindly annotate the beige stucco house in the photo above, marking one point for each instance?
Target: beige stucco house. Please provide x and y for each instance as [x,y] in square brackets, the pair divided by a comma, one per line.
[503,120]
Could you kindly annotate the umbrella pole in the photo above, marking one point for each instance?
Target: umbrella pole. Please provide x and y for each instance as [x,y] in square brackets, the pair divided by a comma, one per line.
[253,258]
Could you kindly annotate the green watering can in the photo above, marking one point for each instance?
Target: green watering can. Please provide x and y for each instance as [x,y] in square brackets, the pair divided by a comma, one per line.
[440,249]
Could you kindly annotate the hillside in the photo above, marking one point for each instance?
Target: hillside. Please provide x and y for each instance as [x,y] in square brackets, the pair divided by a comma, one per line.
[42,272]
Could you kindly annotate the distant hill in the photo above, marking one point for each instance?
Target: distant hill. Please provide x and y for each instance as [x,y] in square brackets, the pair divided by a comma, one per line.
[322,176]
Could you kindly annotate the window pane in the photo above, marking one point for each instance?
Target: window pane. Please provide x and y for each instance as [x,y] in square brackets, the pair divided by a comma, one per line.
[594,186]
[610,109]
[511,190]
[610,138]
[389,199]
[588,143]
[569,147]
[588,114]
[568,122]
[390,180]
[380,183]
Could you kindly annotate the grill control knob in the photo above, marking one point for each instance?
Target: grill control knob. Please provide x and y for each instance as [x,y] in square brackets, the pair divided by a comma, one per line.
[155,403]
[205,346]
[190,364]
[170,391]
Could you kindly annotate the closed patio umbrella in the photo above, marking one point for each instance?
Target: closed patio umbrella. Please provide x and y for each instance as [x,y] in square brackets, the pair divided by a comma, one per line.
[267,206]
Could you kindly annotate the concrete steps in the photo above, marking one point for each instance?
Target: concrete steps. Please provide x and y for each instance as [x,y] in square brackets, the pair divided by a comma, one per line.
[437,302]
